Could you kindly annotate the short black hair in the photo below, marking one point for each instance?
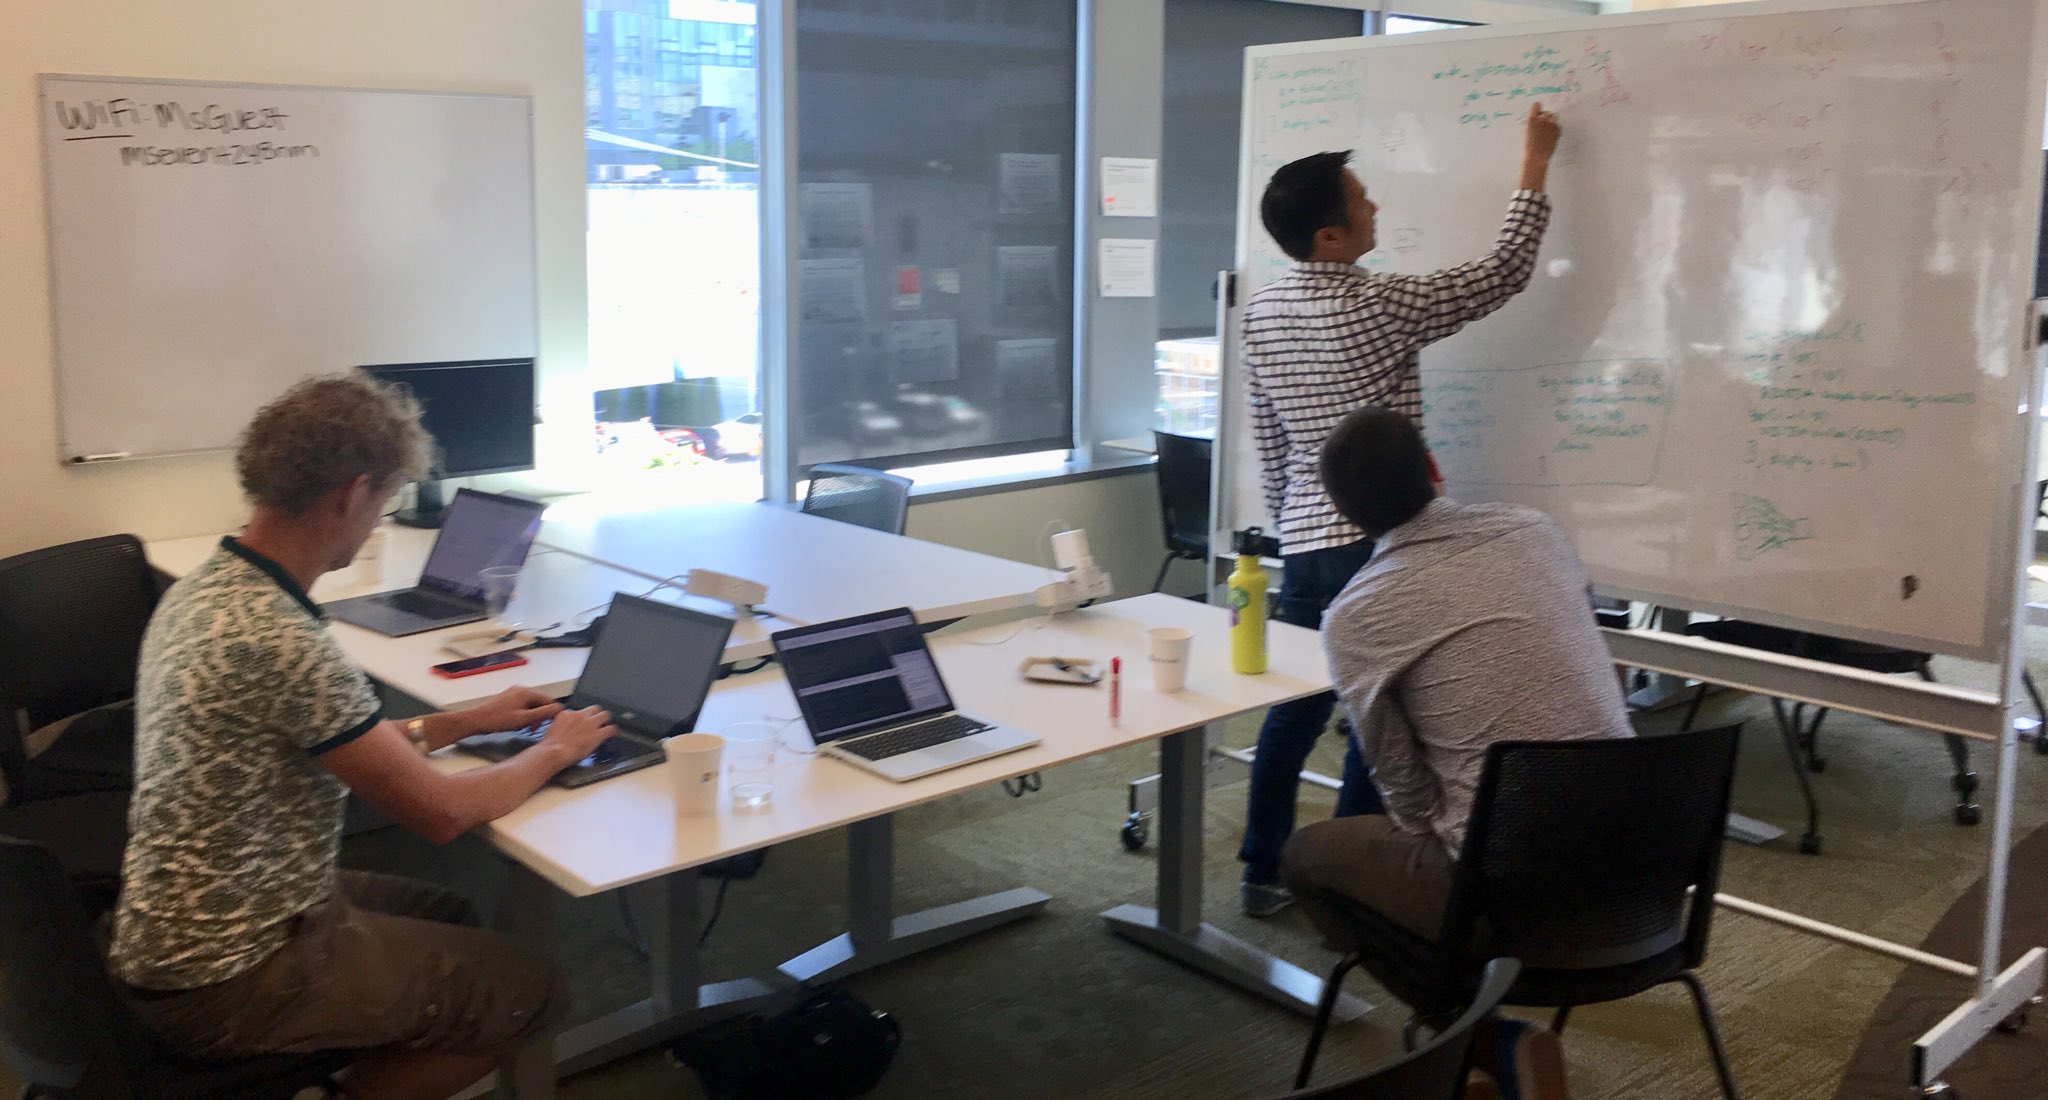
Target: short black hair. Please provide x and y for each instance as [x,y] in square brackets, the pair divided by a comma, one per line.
[1303,196]
[1375,467]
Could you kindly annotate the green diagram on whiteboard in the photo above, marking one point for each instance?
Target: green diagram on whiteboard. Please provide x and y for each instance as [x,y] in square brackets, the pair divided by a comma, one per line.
[1760,528]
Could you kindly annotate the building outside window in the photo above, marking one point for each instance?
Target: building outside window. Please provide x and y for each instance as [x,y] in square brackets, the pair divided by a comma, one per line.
[674,239]
[935,189]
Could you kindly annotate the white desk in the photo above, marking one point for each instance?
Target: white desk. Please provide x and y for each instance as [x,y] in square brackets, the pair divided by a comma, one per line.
[625,830]
[554,588]
[815,569]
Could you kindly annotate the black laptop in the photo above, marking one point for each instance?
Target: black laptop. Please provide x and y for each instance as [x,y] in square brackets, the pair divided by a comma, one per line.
[652,666]
[480,531]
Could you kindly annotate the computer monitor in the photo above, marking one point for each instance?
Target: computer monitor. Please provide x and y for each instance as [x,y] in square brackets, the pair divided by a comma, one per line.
[480,413]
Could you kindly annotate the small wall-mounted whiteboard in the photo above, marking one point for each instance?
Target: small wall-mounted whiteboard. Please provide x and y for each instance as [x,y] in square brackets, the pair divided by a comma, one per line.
[211,244]
[1774,356]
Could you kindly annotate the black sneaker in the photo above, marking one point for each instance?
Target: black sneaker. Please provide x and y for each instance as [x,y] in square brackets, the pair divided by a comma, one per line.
[1263,899]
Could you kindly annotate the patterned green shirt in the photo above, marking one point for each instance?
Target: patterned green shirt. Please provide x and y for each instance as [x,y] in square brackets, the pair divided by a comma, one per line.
[235,825]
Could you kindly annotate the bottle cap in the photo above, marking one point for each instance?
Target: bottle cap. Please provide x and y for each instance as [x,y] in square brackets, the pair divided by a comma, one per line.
[1247,541]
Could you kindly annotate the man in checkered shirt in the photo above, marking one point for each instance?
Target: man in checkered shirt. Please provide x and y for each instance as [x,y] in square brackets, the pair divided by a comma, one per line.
[1319,342]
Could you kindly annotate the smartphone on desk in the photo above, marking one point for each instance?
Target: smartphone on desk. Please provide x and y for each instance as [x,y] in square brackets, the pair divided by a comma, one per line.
[470,666]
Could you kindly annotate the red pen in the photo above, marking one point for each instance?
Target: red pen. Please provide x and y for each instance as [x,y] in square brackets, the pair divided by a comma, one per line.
[1116,689]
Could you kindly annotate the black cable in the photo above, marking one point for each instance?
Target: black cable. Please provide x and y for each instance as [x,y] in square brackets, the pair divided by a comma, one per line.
[640,942]
[1025,784]
[734,670]
[632,927]
[717,907]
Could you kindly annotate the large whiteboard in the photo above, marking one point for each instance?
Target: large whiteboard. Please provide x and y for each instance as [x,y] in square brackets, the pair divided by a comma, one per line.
[210,244]
[1773,359]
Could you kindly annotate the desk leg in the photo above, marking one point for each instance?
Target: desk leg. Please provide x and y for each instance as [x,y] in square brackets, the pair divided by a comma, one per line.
[676,1004]
[875,934]
[1175,927]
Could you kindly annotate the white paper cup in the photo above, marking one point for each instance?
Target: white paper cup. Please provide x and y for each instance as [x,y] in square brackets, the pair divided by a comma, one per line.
[1170,646]
[693,769]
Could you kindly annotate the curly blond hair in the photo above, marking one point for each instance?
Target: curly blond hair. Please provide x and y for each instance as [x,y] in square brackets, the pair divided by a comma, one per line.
[325,432]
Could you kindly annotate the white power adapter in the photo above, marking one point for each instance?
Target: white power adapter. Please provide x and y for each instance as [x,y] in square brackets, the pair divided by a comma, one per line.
[737,591]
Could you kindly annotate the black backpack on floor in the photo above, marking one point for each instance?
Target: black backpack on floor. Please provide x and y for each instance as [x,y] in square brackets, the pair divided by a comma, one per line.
[830,1047]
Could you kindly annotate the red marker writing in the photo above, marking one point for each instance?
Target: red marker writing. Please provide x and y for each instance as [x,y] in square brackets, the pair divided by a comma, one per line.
[1116,689]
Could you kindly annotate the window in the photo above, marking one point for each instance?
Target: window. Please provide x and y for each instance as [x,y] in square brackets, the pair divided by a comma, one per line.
[1205,43]
[674,245]
[935,188]
[1409,24]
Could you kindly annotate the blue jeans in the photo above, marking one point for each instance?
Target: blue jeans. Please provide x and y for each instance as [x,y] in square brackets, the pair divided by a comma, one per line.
[1308,582]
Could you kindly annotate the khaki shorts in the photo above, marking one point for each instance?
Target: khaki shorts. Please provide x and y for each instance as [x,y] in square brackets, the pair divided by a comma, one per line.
[388,962]
[1403,876]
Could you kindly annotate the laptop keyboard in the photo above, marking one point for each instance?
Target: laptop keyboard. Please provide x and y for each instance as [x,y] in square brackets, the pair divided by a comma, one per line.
[611,751]
[414,602]
[922,735]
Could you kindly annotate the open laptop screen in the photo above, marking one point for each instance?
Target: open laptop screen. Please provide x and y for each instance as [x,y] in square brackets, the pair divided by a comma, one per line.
[858,673]
[653,664]
[481,530]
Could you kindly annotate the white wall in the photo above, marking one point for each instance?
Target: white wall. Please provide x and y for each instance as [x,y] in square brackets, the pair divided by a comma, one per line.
[532,47]
[1120,514]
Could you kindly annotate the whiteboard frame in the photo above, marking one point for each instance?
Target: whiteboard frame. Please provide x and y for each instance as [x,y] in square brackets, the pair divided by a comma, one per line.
[2003,607]
[65,457]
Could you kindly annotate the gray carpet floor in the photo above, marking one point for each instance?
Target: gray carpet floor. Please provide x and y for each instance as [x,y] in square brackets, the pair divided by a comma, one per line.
[1056,1007]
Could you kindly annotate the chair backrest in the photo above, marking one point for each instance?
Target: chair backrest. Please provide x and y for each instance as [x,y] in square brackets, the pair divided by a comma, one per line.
[1437,1070]
[71,623]
[59,1021]
[1183,470]
[1580,854]
[855,494]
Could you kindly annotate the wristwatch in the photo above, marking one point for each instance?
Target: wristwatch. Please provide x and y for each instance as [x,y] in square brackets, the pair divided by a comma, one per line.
[416,732]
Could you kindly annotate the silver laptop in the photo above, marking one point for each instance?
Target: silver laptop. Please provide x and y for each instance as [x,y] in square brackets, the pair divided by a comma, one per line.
[481,530]
[871,693]
[652,666]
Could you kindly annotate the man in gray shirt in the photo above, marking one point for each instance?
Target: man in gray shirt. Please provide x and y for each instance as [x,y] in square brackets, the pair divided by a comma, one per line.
[1471,624]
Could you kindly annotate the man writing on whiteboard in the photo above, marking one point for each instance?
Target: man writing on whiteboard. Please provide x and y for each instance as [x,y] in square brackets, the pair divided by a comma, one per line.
[1319,342]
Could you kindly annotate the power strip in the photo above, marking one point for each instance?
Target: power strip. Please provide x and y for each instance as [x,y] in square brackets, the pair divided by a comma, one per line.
[737,591]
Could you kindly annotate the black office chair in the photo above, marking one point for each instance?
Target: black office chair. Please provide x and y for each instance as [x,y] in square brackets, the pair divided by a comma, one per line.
[63,1027]
[1434,1072]
[1801,731]
[1592,862]
[71,623]
[860,496]
[1183,470]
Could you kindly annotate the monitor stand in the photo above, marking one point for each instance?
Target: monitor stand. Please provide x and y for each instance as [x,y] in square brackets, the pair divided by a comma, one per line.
[427,509]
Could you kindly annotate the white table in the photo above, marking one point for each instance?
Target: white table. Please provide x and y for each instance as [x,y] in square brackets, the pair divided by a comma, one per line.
[554,588]
[625,830]
[816,569]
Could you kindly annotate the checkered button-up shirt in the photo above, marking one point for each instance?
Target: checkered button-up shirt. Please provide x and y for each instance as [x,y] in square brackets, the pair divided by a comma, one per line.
[1327,338]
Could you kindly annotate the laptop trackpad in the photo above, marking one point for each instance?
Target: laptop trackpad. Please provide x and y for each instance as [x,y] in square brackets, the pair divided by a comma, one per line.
[954,752]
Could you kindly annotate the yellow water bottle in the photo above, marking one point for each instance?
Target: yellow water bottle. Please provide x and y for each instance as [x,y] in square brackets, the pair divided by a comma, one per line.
[1247,596]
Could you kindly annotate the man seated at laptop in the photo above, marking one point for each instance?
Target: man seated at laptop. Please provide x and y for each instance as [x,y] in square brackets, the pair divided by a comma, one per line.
[1472,623]
[236,933]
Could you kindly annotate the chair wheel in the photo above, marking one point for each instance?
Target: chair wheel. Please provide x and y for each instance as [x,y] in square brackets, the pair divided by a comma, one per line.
[2013,1023]
[1134,833]
[1965,783]
[1810,844]
[1968,814]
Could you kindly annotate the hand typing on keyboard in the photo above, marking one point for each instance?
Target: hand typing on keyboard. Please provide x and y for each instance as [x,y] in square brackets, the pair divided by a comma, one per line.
[578,732]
